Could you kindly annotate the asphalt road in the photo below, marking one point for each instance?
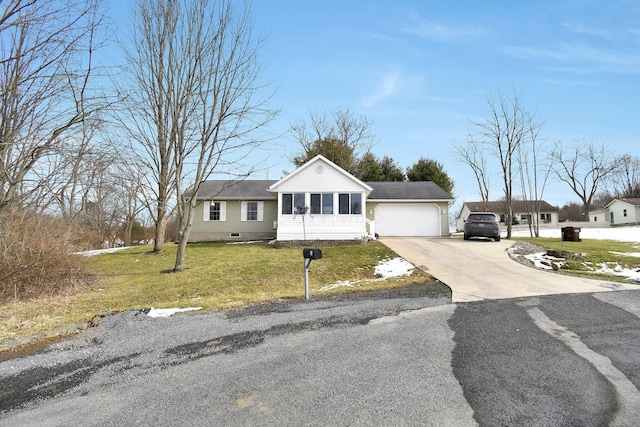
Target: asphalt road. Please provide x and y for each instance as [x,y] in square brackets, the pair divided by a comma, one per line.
[405,359]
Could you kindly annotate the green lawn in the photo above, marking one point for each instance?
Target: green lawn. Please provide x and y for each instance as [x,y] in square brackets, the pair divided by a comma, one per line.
[218,276]
[591,254]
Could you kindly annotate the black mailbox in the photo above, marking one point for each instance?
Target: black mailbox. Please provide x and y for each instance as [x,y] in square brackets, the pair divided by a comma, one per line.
[311,253]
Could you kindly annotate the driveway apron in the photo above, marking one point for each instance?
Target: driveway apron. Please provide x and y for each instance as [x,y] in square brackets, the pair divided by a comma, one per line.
[482,269]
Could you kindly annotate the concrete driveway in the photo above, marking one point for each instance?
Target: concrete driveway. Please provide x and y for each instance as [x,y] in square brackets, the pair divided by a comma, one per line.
[481,269]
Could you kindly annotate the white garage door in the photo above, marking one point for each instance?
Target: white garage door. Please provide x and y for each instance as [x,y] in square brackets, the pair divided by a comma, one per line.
[407,220]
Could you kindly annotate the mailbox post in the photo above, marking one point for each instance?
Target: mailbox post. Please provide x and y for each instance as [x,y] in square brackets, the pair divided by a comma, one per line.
[309,254]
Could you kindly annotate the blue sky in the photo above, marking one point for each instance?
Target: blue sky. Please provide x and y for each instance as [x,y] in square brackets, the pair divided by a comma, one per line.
[420,70]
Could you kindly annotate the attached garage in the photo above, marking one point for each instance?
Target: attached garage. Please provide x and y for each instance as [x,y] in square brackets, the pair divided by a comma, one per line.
[407,219]
[419,208]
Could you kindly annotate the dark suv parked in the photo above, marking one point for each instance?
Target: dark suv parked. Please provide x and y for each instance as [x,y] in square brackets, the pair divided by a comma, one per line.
[482,224]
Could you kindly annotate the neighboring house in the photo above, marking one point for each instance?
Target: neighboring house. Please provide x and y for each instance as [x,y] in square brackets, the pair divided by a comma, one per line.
[319,201]
[618,212]
[522,211]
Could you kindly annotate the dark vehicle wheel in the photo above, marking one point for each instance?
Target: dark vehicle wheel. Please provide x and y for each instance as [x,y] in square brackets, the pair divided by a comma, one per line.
[497,238]
[466,237]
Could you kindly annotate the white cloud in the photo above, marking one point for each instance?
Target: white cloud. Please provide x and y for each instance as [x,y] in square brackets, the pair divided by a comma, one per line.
[388,85]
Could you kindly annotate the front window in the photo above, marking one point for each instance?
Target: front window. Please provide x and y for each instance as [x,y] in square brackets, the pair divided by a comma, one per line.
[214,211]
[293,203]
[298,203]
[321,203]
[327,203]
[252,211]
[350,203]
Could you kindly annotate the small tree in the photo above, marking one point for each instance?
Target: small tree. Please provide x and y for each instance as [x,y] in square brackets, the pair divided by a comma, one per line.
[430,170]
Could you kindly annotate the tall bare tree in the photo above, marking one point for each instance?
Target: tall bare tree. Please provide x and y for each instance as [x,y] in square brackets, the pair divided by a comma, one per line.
[505,130]
[46,90]
[197,101]
[534,174]
[584,167]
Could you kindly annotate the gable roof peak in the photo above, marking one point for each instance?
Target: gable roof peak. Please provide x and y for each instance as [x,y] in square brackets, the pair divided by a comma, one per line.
[317,159]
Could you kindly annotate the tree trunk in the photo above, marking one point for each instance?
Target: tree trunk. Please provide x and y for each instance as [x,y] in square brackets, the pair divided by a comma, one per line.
[185,231]
[161,225]
[128,231]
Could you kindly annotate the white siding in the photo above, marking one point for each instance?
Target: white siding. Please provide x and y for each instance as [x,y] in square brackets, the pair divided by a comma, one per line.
[321,227]
[618,208]
[320,177]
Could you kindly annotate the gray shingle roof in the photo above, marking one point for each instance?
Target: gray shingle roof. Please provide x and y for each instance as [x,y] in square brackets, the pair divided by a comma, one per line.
[249,189]
[413,190]
[257,190]
[517,205]
[635,201]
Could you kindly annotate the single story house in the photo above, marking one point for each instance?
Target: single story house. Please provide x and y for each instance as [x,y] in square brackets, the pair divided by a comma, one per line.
[319,201]
[618,212]
[522,211]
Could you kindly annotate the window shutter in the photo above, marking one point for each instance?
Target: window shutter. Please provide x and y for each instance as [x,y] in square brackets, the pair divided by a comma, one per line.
[260,211]
[243,211]
[206,205]
[223,211]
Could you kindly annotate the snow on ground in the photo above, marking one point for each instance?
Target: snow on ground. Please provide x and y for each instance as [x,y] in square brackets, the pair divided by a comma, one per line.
[100,251]
[394,267]
[166,312]
[620,234]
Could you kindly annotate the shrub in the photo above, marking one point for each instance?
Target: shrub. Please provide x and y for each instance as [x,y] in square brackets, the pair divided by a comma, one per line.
[35,258]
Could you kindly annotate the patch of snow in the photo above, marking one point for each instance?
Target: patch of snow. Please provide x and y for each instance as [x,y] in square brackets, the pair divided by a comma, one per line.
[91,253]
[543,261]
[620,234]
[338,284]
[393,268]
[166,312]
[632,274]
[635,254]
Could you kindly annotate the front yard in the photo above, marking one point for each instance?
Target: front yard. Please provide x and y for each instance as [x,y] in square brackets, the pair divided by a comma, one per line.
[219,276]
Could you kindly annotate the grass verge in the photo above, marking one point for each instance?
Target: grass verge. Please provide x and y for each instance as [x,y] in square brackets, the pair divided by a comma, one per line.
[218,276]
[591,255]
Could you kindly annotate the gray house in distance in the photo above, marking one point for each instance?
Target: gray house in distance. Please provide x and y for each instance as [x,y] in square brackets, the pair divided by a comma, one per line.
[522,211]
[318,201]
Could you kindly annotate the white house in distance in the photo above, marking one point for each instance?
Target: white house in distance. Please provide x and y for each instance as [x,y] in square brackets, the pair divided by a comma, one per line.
[618,212]
[522,211]
[318,202]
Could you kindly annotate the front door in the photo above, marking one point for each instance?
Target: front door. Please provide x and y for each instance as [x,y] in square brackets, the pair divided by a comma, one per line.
[611,217]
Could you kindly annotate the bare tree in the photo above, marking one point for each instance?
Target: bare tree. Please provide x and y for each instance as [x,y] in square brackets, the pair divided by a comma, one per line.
[473,156]
[501,134]
[45,92]
[627,177]
[196,83]
[534,174]
[584,167]
[341,137]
